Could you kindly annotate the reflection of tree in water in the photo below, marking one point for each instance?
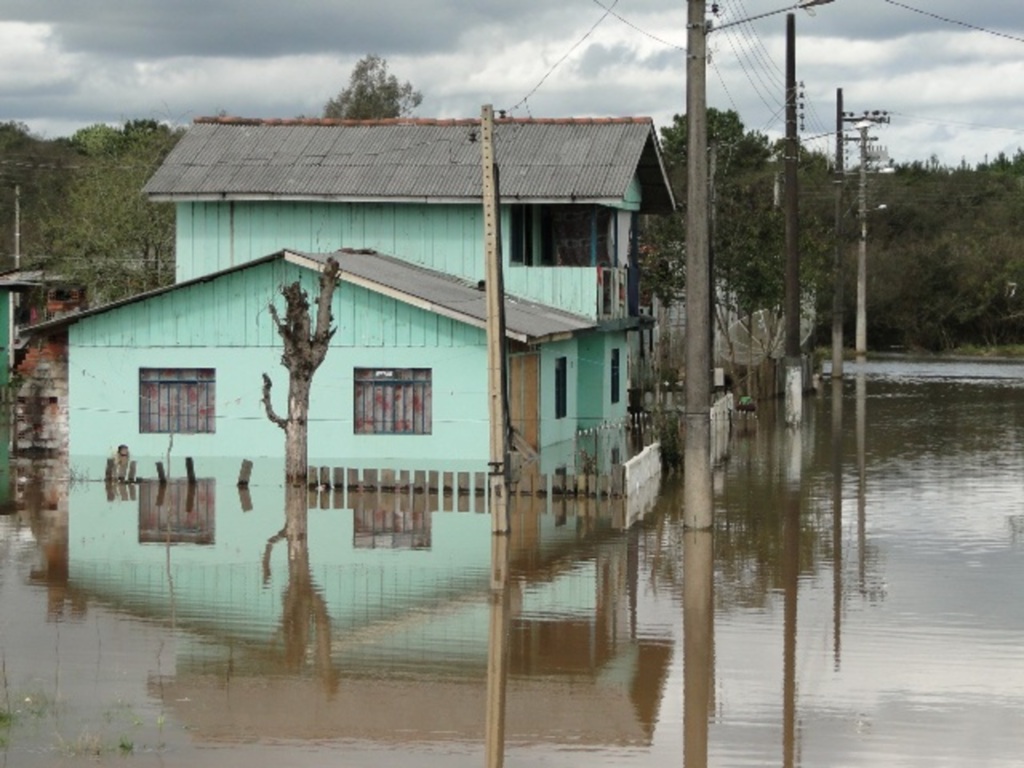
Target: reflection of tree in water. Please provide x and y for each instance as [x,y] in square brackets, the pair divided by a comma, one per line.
[304,615]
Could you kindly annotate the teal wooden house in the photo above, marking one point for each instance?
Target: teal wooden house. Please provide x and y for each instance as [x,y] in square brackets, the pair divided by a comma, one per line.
[263,203]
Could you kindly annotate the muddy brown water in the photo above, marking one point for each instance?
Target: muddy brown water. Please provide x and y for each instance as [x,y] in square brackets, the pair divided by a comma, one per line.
[858,604]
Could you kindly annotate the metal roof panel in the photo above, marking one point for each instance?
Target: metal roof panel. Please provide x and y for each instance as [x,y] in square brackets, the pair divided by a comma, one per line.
[590,159]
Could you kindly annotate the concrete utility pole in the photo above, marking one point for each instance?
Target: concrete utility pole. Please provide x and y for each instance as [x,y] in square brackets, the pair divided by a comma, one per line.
[861,339]
[495,289]
[794,361]
[837,259]
[697,493]
[17,226]
[863,124]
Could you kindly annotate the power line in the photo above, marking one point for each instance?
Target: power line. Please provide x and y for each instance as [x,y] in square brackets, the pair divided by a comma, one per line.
[578,43]
[955,21]
[642,31]
[945,121]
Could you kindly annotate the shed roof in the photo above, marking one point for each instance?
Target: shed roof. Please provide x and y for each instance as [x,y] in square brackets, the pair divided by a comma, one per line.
[525,321]
[541,160]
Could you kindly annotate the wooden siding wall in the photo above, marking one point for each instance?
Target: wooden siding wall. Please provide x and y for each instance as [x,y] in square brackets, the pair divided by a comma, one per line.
[213,236]
[224,324]
[524,396]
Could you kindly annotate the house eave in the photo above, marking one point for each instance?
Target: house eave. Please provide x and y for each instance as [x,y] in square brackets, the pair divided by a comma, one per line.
[265,197]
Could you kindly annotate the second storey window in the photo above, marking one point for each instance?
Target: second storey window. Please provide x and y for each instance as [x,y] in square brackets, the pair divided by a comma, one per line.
[393,401]
[559,235]
[177,400]
[615,375]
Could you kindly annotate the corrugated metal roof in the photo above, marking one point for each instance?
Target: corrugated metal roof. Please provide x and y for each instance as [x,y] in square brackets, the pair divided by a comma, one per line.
[541,160]
[525,321]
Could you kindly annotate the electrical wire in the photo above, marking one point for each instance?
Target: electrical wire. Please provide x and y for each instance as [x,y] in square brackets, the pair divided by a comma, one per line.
[957,22]
[524,101]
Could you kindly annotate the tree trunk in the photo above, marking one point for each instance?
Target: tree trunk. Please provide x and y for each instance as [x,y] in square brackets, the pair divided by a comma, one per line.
[296,432]
[304,350]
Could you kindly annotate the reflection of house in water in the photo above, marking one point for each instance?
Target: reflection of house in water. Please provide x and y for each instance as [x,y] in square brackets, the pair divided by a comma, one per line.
[403,653]
[178,512]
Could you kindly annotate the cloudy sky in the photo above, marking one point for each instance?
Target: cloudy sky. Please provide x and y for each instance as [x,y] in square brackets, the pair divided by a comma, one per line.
[951,73]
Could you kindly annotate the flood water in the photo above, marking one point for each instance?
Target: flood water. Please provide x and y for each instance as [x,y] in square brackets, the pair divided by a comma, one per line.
[858,604]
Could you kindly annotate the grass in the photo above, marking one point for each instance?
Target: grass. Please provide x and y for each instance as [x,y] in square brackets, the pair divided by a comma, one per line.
[90,743]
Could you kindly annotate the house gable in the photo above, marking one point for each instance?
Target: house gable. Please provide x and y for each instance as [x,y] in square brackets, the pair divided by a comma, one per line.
[391,317]
[222,326]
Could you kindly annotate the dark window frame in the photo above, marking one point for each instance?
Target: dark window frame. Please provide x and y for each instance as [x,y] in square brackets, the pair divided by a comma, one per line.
[560,235]
[616,373]
[561,387]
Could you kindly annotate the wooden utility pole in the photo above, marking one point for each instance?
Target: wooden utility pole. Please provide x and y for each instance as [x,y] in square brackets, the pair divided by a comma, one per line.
[495,289]
[697,491]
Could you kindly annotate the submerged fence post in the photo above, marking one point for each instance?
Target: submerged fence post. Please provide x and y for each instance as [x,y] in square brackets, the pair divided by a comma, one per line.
[245,473]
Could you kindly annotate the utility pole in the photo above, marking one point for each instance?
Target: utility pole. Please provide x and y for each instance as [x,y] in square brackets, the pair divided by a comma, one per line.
[861,339]
[697,491]
[794,361]
[863,124]
[495,290]
[837,260]
[17,226]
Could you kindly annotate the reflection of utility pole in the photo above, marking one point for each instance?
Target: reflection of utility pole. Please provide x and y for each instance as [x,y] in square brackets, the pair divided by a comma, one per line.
[497,653]
[861,430]
[698,645]
[837,518]
[863,124]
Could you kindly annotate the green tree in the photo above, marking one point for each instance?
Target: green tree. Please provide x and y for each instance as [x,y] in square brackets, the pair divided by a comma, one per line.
[373,93]
[34,176]
[104,234]
[945,257]
[747,235]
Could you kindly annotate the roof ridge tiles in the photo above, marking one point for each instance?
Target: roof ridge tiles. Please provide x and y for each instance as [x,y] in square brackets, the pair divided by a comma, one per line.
[413,121]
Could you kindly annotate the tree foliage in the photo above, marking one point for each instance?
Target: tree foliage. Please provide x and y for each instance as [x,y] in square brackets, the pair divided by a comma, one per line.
[102,232]
[945,258]
[34,176]
[747,226]
[373,93]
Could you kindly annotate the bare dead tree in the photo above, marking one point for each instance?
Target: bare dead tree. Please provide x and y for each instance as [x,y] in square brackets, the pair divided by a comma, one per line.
[305,347]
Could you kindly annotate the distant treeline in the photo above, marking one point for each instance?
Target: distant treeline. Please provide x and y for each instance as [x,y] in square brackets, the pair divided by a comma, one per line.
[81,217]
[945,246]
[945,256]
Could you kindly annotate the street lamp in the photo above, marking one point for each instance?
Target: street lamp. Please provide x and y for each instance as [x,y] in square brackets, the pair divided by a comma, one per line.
[803,4]
[697,494]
